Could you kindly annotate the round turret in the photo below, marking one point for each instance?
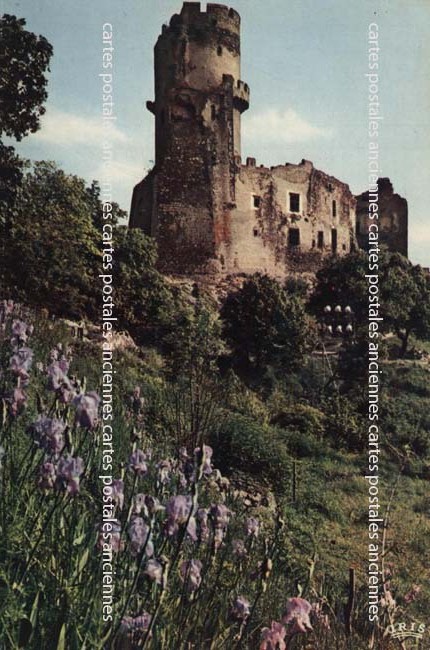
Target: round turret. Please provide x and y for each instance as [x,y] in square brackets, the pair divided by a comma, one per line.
[194,55]
[198,48]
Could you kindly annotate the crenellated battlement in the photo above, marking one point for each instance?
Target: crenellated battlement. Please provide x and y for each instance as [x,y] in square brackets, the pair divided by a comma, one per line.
[241,95]
[238,86]
[224,13]
[192,10]
[216,17]
[242,86]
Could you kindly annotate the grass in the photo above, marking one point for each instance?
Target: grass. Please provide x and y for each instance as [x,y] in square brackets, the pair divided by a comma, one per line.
[324,504]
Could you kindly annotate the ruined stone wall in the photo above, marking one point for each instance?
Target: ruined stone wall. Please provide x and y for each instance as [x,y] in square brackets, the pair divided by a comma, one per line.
[209,213]
[332,209]
[271,234]
[393,218]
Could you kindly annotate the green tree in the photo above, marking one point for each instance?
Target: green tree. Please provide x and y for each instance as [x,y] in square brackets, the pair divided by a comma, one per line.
[24,61]
[51,244]
[405,293]
[117,215]
[193,342]
[11,173]
[192,346]
[265,326]
[342,280]
[143,300]
[53,247]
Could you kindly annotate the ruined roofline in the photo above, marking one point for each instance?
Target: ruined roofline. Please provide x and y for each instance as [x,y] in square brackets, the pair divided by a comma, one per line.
[383,186]
[251,163]
[330,177]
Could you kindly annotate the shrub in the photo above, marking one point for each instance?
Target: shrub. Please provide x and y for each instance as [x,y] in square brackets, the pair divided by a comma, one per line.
[244,444]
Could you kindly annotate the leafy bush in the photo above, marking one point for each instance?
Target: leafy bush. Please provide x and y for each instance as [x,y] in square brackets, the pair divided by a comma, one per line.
[344,425]
[241,443]
[301,418]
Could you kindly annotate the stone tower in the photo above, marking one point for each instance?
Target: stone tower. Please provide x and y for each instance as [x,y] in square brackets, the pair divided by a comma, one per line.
[199,98]
[209,212]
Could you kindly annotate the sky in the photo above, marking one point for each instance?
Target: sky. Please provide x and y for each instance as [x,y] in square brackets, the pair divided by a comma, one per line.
[305,62]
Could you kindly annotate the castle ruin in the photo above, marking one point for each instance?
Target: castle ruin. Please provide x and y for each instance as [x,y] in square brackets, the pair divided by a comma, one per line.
[393,218]
[209,212]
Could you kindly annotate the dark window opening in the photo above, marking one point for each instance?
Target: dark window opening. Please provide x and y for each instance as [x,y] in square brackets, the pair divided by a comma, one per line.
[183,109]
[213,112]
[219,50]
[334,240]
[294,202]
[294,237]
[320,239]
[255,231]
[313,243]
[344,247]
[333,208]
[256,201]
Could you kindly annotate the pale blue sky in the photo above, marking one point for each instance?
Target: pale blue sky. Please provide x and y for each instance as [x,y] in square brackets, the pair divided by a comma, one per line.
[305,62]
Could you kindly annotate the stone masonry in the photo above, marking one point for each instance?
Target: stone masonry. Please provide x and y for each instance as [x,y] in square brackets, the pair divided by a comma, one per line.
[209,212]
[393,218]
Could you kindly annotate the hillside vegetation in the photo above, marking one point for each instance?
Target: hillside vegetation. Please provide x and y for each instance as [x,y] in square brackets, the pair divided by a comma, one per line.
[255,506]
